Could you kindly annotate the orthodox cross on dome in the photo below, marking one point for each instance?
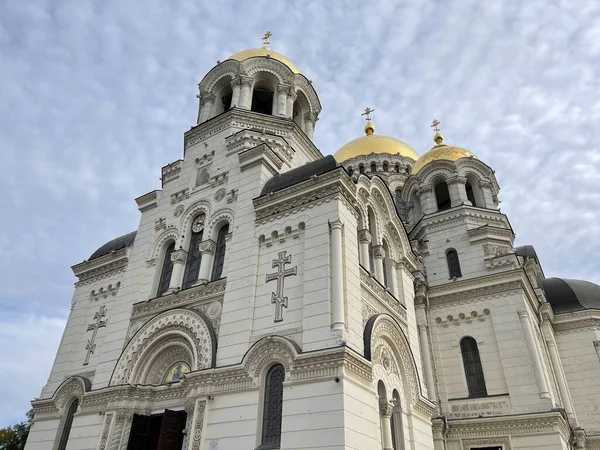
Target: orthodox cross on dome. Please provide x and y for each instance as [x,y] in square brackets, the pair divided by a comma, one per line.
[266,37]
[277,297]
[367,113]
[435,124]
[99,323]
[438,138]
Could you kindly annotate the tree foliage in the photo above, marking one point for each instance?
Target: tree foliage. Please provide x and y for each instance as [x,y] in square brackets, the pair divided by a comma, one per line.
[14,437]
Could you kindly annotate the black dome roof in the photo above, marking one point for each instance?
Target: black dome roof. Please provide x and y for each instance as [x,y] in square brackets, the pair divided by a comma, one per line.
[567,295]
[299,174]
[116,244]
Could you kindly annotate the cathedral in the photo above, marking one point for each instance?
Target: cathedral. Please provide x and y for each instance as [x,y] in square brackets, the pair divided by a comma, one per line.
[276,298]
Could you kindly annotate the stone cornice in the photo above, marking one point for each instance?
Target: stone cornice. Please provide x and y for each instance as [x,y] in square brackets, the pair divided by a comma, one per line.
[171,171]
[383,297]
[576,321]
[207,292]
[261,154]
[147,201]
[241,118]
[248,139]
[495,285]
[102,267]
[297,195]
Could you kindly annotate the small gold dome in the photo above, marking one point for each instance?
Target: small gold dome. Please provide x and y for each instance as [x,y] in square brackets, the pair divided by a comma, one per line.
[374,143]
[265,52]
[441,152]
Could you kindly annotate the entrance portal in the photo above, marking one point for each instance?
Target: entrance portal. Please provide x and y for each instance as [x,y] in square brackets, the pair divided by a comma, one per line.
[158,431]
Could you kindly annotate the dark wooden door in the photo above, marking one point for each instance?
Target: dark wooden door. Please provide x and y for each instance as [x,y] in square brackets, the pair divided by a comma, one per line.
[140,427]
[171,436]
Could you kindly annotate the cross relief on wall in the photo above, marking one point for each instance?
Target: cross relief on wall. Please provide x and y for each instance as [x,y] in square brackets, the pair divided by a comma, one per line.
[99,323]
[277,297]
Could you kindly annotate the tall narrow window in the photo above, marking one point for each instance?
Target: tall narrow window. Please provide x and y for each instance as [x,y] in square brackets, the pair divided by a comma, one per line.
[64,437]
[262,101]
[273,407]
[371,219]
[397,168]
[167,270]
[361,169]
[385,167]
[373,167]
[442,196]
[453,264]
[220,252]
[192,267]
[473,368]
[350,171]
[470,194]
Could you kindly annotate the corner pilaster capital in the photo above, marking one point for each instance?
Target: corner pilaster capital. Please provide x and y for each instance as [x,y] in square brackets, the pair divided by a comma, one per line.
[208,246]
[364,236]
[456,179]
[179,256]
[523,314]
[207,97]
[485,184]
[336,225]
[310,117]
[246,81]
[387,409]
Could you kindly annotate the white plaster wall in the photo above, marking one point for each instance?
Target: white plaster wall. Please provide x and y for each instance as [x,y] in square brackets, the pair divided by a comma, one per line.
[42,434]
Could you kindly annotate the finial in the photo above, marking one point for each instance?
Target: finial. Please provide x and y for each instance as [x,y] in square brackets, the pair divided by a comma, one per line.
[369,127]
[367,113]
[265,39]
[438,137]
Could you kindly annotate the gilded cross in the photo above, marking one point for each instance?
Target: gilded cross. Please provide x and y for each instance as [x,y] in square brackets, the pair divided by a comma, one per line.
[277,297]
[367,113]
[266,37]
[99,323]
[435,125]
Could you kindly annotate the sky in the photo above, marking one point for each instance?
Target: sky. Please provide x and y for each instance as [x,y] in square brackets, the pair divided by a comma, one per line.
[95,98]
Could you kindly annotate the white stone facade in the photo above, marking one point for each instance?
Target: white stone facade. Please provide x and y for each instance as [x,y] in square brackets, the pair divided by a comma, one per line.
[322,277]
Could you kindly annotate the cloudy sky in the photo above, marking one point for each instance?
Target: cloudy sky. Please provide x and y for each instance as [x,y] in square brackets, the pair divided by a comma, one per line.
[95,97]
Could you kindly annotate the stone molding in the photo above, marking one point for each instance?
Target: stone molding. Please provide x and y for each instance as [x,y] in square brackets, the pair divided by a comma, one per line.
[171,172]
[104,292]
[378,251]
[463,318]
[179,256]
[147,201]
[381,296]
[99,268]
[208,246]
[262,154]
[504,441]
[104,437]
[364,235]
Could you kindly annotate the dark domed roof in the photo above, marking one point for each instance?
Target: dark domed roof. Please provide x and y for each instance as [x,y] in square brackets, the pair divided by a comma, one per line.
[116,244]
[567,296]
[299,174]
[526,251]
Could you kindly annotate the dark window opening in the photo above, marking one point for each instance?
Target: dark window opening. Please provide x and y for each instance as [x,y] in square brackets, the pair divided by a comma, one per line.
[192,266]
[453,264]
[220,252]
[350,171]
[385,167]
[473,368]
[167,270]
[273,407]
[442,196]
[470,194]
[158,431]
[226,100]
[397,168]
[373,167]
[262,101]
[361,169]
[64,437]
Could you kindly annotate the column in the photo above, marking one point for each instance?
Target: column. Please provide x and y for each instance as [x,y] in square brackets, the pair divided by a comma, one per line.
[378,255]
[426,198]
[558,370]
[427,367]
[597,347]
[337,275]
[486,190]
[458,192]
[291,98]
[309,124]
[207,249]
[179,258]
[207,101]
[282,101]
[235,96]
[534,355]
[386,410]
[245,97]
[394,279]
[364,239]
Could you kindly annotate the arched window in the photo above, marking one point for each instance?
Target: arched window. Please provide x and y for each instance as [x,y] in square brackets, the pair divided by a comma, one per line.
[192,266]
[350,171]
[386,264]
[273,407]
[397,168]
[442,196]
[167,270]
[361,169]
[397,429]
[470,195]
[473,368]
[385,167]
[223,94]
[263,93]
[64,437]
[453,264]
[417,212]
[220,252]
[373,167]
[474,193]
[372,230]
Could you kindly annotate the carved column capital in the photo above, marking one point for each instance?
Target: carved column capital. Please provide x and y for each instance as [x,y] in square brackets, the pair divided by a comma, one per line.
[235,82]
[365,236]
[208,246]
[207,97]
[378,251]
[336,224]
[386,409]
[456,180]
[310,117]
[424,190]
[179,256]
[246,81]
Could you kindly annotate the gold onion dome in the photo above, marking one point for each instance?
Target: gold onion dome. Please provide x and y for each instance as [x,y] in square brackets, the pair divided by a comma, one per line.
[374,143]
[265,52]
[441,152]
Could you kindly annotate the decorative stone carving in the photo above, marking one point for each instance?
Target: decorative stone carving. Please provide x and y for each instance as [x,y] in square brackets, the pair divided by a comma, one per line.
[378,251]
[208,246]
[104,292]
[364,236]
[220,195]
[277,297]
[198,224]
[503,442]
[104,436]
[198,425]
[99,323]
[179,256]
[178,211]
[180,196]
[463,318]
[160,223]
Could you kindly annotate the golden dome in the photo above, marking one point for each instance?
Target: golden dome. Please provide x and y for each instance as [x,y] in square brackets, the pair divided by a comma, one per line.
[374,143]
[442,152]
[265,52]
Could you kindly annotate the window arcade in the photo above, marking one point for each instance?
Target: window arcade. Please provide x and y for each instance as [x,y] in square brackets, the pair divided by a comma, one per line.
[442,196]
[453,264]
[220,252]
[167,270]
[64,437]
[192,267]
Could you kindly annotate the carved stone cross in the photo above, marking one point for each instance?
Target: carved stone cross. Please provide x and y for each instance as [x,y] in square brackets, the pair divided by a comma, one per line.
[99,323]
[277,297]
